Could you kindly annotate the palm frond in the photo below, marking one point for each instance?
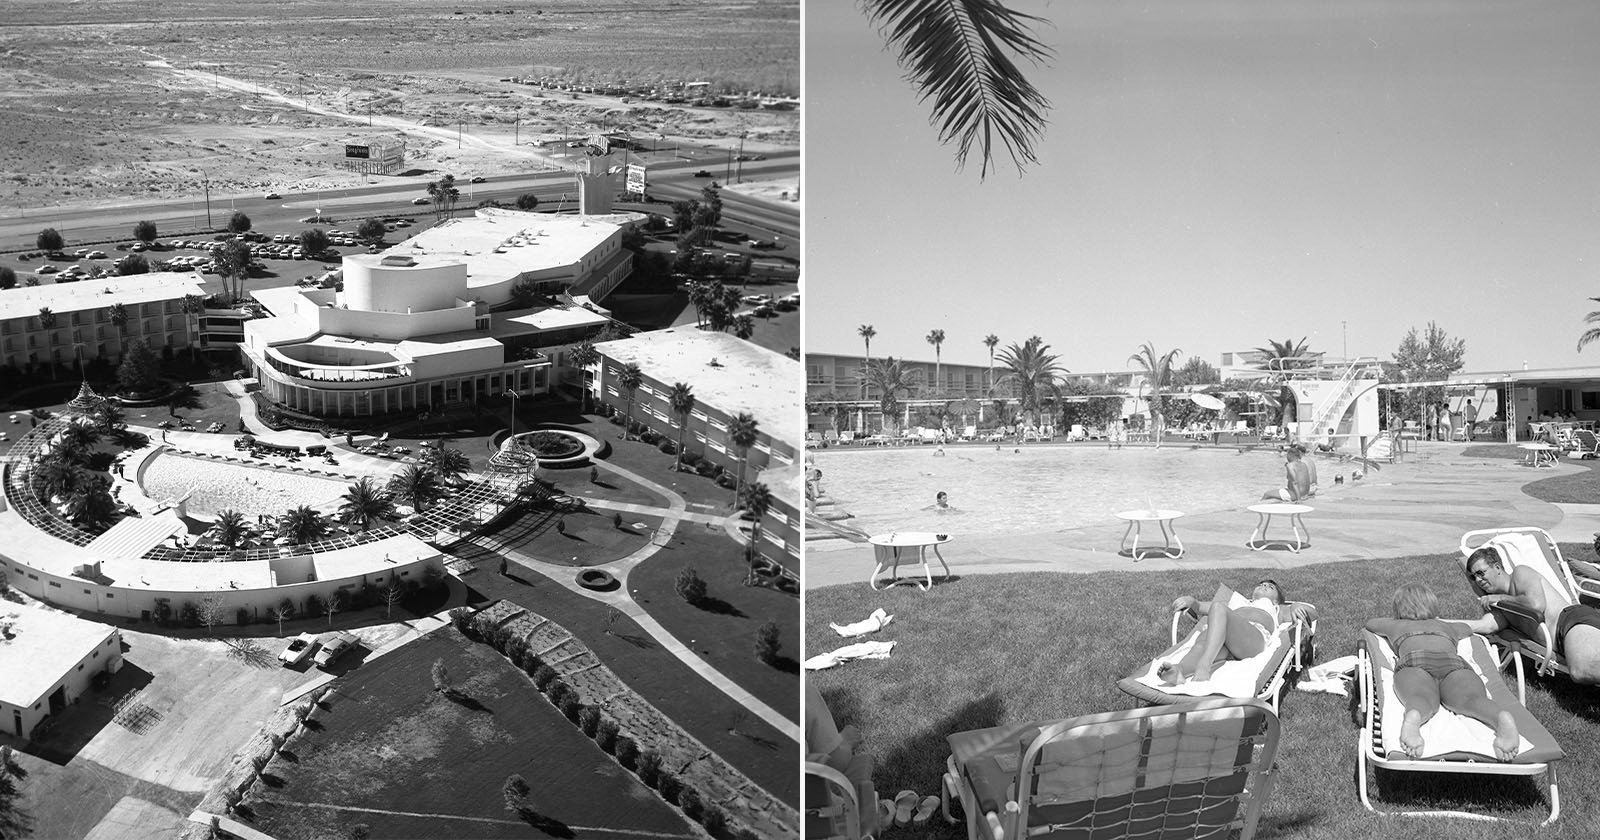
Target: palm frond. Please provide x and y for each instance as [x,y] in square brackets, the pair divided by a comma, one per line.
[1592,334]
[958,53]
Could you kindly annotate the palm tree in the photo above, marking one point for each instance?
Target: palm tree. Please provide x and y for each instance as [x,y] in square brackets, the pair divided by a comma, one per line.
[742,433]
[109,417]
[936,338]
[583,357]
[90,505]
[233,263]
[1593,332]
[1158,369]
[415,485]
[682,401]
[119,317]
[193,305]
[866,332]
[230,528]
[1281,356]
[1030,371]
[960,57]
[56,477]
[303,525]
[365,501]
[47,321]
[756,500]
[991,341]
[892,379]
[630,380]
[448,464]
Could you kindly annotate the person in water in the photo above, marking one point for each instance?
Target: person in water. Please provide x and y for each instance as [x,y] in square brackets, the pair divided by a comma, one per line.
[941,501]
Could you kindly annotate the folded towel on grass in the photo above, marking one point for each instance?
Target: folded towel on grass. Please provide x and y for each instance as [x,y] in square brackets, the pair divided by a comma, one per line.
[1331,677]
[859,650]
[872,623]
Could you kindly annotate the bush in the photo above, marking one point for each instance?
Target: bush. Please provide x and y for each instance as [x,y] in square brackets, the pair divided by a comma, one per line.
[606,735]
[670,787]
[241,616]
[529,661]
[627,752]
[666,446]
[557,692]
[589,720]
[714,820]
[690,802]
[314,605]
[649,768]
[543,676]
[189,614]
[690,587]
[767,643]
[572,706]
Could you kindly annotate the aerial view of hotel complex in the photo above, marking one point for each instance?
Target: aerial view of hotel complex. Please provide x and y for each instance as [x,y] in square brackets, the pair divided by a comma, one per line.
[400,420]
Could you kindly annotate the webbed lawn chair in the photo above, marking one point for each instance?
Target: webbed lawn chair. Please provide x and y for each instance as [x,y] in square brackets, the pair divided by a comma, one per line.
[1197,769]
[1272,433]
[1452,744]
[1585,444]
[969,433]
[833,806]
[1536,549]
[1266,676]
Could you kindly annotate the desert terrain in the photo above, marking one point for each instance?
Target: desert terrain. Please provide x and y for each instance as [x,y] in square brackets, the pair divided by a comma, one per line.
[109,100]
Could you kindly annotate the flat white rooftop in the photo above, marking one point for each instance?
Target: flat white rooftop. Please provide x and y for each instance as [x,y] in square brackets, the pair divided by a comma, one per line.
[547,319]
[503,244]
[24,301]
[44,645]
[724,371]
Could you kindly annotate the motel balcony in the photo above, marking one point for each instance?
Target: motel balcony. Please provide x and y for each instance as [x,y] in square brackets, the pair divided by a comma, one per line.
[345,373]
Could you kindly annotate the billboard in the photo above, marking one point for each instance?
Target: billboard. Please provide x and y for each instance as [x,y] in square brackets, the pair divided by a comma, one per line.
[354,151]
[636,178]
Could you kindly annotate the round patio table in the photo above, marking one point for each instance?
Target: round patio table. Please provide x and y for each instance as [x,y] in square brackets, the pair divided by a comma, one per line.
[888,549]
[1540,454]
[1265,511]
[1163,520]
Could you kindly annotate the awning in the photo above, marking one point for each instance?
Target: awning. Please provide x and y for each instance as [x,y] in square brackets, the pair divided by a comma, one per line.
[1470,382]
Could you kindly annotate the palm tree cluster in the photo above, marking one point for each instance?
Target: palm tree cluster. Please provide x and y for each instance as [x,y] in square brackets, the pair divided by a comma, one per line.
[1032,373]
[715,305]
[443,193]
[61,475]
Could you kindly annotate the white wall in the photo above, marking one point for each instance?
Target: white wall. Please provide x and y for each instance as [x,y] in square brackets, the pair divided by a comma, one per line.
[394,326]
[401,288]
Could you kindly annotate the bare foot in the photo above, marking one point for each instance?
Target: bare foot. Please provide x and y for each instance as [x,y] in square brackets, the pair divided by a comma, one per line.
[1169,674]
[1411,733]
[1506,739]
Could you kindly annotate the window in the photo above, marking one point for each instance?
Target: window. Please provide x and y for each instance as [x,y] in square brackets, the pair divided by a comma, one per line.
[110,595]
[56,585]
[80,666]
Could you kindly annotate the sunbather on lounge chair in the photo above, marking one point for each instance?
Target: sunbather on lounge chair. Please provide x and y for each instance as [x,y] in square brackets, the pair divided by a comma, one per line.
[1232,631]
[1429,673]
[1574,629]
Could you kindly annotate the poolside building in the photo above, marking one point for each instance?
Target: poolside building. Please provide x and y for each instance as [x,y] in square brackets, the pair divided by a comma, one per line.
[47,661]
[83,322]
[431,321]
[728,376]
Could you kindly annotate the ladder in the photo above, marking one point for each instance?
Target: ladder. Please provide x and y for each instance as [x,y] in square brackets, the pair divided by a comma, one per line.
[1337,403]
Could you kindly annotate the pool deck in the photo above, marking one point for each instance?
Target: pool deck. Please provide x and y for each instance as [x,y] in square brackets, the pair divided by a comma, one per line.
[1421,505]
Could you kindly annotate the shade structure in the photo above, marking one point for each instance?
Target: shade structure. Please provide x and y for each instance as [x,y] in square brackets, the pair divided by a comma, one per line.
[86,399]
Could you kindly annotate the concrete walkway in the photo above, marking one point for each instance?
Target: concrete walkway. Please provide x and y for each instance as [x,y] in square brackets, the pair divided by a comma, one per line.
[621,599]
[1420,506]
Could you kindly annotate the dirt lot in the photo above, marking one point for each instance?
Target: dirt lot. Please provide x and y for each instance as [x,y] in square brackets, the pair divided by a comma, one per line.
[111,99]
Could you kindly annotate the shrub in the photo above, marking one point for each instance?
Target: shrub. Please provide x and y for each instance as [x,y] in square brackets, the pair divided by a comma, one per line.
[627,752]
[572,706]
[666,446]
[616,521]
[649,768]
[606,735]
[714,820]
[241,616]
[690,587]
[543,676]
[557,692]
[690,802]
[189,614]
[314,605]
[767,643]
[670,787]
[589,720]
[529,661]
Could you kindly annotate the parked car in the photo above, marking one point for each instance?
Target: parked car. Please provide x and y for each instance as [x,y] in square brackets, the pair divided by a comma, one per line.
[335,645]
[300,649]
[272,196]
[48,269]
[478,179]
[702,173]
[421,200]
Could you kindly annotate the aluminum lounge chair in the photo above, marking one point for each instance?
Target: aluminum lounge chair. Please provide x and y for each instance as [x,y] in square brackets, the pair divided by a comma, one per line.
[1202,769]
[830,438]
[1534,548]
[1272,433]
[833,810]
[969,433]
[1585,444]
[1266,677]
[1456,745]
[1077,433]
[1411,429]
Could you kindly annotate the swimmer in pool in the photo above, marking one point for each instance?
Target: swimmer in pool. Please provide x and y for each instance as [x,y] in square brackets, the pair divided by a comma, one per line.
[940,502]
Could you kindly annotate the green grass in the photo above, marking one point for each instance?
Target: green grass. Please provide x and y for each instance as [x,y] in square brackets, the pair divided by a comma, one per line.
[989,649]
[390,743]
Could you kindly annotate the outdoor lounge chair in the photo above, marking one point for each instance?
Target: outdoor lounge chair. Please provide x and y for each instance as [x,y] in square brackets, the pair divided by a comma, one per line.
[1535,548]
[830,438]
[1077,433]
[1454,744]
[1411,429]
[833,810]
[1265,676]
[1585,444]
[1191,770]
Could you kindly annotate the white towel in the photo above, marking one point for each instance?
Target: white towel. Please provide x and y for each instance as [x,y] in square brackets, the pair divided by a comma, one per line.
[1234,678]
[1331,677]
[859,650]
[1446,732]
[872,623]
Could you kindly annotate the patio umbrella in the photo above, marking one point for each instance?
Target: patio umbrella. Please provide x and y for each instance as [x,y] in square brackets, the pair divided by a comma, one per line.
[1206,401]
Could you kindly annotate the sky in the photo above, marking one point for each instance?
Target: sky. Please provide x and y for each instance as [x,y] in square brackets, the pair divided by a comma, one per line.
[1216,175]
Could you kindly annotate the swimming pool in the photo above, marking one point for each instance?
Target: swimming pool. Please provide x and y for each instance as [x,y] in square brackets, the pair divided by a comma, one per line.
[220,486]
[1040,489]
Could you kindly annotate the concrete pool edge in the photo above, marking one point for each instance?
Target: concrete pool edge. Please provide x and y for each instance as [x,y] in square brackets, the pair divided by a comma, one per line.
[1420,506]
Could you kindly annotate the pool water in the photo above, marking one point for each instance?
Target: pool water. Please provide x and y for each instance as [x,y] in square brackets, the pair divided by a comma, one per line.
[220,486]
[1040,489]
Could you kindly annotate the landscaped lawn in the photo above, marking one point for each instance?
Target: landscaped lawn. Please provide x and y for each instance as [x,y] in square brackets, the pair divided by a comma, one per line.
[394,754]
[589,539]
[723,631]
[759,751]
[988,649]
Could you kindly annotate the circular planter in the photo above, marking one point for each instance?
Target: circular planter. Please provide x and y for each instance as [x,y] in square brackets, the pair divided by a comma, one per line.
[596,579]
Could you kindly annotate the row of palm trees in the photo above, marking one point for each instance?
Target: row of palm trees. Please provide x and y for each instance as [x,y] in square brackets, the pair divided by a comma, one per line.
[1033,374]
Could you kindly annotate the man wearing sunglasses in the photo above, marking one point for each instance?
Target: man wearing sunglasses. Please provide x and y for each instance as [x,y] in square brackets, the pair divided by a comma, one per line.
[1575,629]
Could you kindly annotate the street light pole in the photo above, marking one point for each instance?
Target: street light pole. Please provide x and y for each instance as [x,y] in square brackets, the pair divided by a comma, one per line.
[512,393]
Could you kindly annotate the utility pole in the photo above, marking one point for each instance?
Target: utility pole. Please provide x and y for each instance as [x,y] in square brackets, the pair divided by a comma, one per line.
[1345,334]
[739,173]
[206,182]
